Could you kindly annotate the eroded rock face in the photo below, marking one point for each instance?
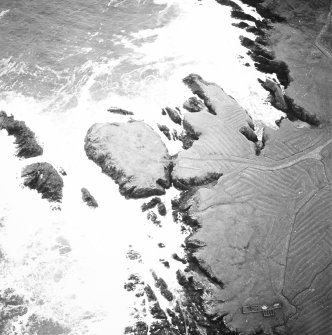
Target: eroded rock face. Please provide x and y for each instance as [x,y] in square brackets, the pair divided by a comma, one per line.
[27,145]
[258,224]
[133,155]
[45,179]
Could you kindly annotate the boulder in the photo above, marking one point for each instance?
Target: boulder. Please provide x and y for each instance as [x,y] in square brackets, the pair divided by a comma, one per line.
[133,155]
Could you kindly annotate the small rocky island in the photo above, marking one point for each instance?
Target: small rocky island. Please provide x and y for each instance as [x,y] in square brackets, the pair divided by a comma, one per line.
[133,155]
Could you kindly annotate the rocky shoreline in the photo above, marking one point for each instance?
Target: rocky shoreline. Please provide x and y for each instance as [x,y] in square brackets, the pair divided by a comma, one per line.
[247,202]
[257,208]
[243,207]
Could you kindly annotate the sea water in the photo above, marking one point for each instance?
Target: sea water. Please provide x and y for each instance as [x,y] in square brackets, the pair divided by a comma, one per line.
[63,63]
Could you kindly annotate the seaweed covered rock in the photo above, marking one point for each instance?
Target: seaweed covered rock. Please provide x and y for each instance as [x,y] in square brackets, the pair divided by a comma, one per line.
[133,155]
[25,139]
[88,198]
[44,178]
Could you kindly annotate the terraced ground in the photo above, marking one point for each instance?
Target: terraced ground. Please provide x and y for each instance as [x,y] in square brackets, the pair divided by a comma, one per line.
[266,222]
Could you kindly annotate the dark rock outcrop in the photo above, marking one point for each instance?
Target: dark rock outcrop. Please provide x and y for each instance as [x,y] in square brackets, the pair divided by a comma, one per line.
[25,139]
[173,114]
[277,96]
[256,48]
[188,136]
[194,105]
[162,209]
[45,179]
[151,204]
[88,198]
[120,111]
[133,155]
[163,287]
[280,68]
[287,104]
[165,131]
[240,15]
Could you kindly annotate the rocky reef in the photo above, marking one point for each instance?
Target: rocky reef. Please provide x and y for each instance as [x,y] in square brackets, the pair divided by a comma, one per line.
[25,139]
[45,179]
[133,155]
